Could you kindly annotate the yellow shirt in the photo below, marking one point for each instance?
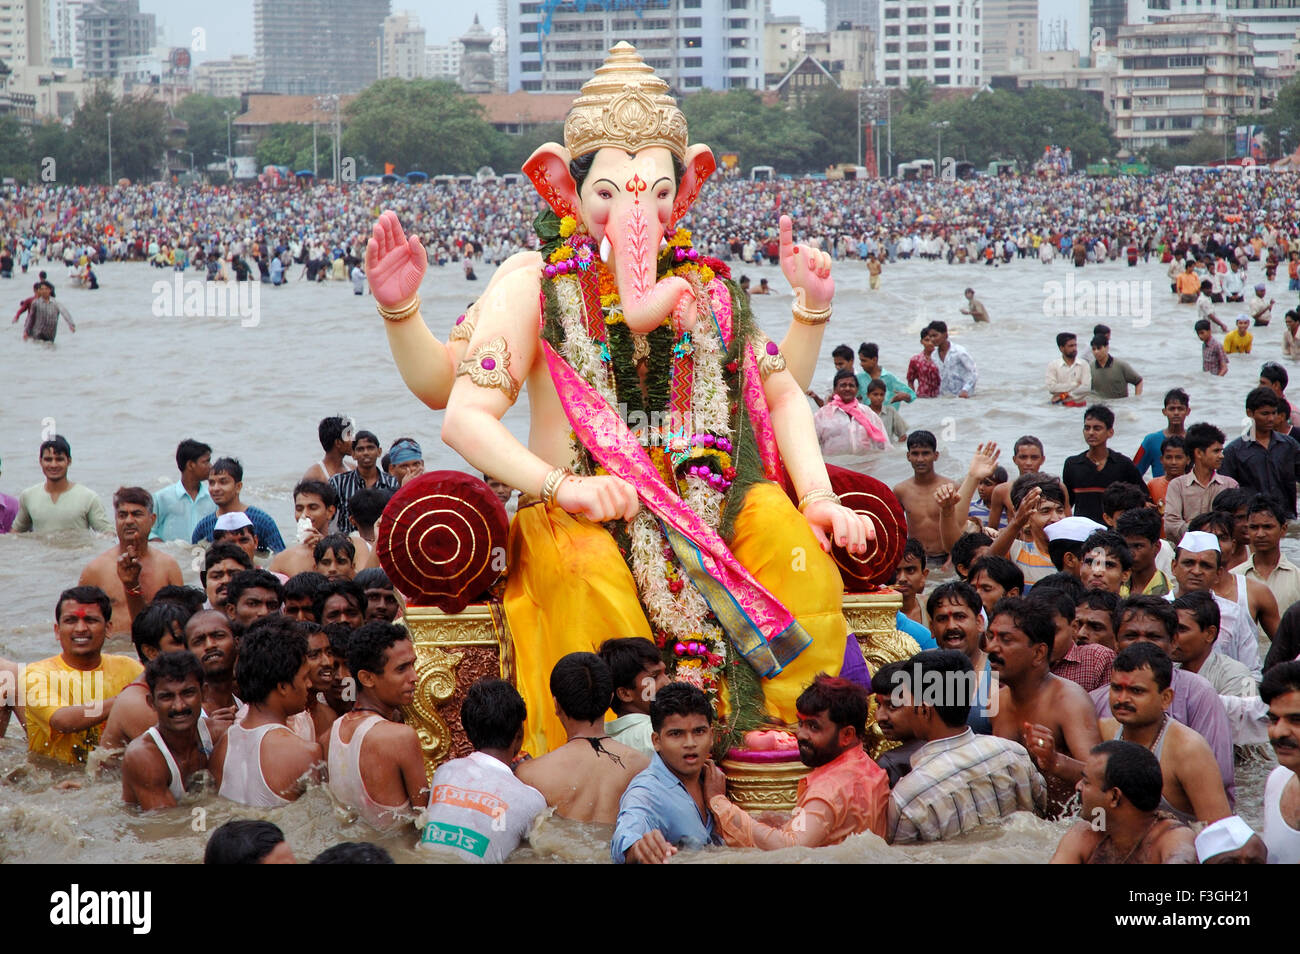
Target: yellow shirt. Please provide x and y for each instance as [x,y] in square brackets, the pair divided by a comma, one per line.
[1234,343]
[51,684]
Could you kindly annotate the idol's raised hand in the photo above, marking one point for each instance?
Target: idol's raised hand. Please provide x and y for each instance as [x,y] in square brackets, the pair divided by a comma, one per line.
[395,264]
[833,523]
[806,269]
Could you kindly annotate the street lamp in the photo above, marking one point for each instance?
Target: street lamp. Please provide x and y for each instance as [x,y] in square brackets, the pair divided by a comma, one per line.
[229,150]
[191,155]
[938,148]
[109,114]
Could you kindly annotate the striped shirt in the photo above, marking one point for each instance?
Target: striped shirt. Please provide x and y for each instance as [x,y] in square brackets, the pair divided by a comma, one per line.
[960,783]
[348,483]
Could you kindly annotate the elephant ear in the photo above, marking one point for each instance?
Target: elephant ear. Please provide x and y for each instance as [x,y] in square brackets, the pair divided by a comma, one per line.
[548,169]
[700,164]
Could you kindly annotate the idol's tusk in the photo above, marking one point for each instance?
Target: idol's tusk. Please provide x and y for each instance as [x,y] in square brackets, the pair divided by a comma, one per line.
[605,249]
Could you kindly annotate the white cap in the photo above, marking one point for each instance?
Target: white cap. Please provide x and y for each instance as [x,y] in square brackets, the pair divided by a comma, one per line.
[1076,529]
[1198,541]
[235,520]
[1226,834]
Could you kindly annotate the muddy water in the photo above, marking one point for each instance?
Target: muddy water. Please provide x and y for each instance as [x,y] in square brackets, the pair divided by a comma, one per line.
[128,385]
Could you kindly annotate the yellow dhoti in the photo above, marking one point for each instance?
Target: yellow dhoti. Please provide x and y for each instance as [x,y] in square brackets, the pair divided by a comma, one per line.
[570,589]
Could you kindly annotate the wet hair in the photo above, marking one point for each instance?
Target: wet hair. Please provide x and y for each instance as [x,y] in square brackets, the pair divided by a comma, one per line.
[189,597]
[272,651]
[1099,341]
[956,591]
[582,685]
[1177,396]
[85,594]
[1279,680]
[1112,543]
[1101,331]
[1049,486]
[922,439]
[678,699]
[366,436]
[844,702]
[367,505]
[1201,604]
[59,444]
[999,475]
[868,349]
[883,680]
[1000,570]
[178,665]
[1029,439]
[134,495]
[1100,412]
[156,621]
[1056,600]
[965,547]
[1134,770]
[1273,372]
[1142,653]
[338,544]
[245,841]
[1119,495]
[373,578]
[307,583]
[1103,600]
[337,587]
[340,637]
[626,658]
[843,352]
[1031,618]
[190,450]
[1231,500]
[1140,522]
[1173,443]
[940,326]
[1065,337]
[876,384]
[230,466]
[1267,503]
[250,580]
[354,853]
[913,548]
[492,713]
[951,672]
[368,648]
[1201,325]
[1067,583]
[1262,397]
[580,167]
[320,488]
[329,430]
[1161,610]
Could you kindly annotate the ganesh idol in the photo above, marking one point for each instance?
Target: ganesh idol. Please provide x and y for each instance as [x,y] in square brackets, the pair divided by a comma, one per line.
[661,421]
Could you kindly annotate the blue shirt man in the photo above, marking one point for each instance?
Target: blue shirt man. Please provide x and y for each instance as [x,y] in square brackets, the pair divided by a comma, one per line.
[178,512]
[657,799]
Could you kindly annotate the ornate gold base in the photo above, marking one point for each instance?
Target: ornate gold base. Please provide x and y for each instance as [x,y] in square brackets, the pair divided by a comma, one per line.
[759,787]
[872,618]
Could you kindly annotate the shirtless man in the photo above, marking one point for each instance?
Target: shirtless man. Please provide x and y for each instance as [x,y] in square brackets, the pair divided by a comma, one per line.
[375,763]
[1028,456]
[260,762]
[213,637]
[318,502]
[134,517]
[1052,717]
[1140,694]
[917,495]
[335,435]
[585,778]
[158,764]
[158,630]
[1120,791]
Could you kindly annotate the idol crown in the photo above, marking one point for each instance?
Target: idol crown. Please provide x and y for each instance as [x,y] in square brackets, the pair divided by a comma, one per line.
[626,106]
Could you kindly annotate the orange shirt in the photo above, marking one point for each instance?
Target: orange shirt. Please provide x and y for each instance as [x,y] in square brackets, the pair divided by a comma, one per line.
[1189,283]
[846,796]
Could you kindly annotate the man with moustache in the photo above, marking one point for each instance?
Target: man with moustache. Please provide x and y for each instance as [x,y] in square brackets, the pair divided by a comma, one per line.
[1052,717]
[148,569]
[318,716]
[160,762]
[1139,702]
[1197,566]
[300,592]
[159,629]
[236,528]
[340,601]
[1281,693]
[957,622]
[220,564]
[376,766]
[382,599]
[213,638]
[894,723]
[846,793]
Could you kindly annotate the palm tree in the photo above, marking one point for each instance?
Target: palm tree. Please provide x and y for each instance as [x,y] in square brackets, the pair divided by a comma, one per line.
[917,99]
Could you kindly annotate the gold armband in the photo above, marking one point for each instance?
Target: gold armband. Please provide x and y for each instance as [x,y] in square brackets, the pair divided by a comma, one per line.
[813,496]
[551,485]
[771,360]
[401,312]
[489,367]
[463,329]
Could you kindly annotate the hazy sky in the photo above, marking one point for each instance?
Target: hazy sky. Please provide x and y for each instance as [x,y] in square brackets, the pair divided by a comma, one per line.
[228,27]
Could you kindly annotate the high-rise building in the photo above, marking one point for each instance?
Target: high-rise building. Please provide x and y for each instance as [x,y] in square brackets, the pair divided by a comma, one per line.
[936,42]
[226,78]
[692,44]
[110,32]
[1105,17]
[308,47]
[24,36]
[443,61]
[856,13]
[63,30]
[1010,31]
[404,47]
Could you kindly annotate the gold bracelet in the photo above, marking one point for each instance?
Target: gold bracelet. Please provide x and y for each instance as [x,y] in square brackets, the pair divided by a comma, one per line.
[806,316]
[401,312]
[551,485]
[813,496]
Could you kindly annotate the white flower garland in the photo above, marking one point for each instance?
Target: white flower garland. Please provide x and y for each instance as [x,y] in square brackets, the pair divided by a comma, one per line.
[580,351]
